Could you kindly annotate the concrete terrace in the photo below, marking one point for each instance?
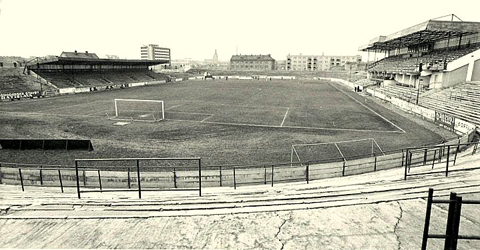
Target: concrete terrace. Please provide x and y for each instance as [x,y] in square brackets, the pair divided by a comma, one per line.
[371,211]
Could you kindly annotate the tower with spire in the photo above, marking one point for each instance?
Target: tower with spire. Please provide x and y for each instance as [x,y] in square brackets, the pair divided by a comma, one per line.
[215,57]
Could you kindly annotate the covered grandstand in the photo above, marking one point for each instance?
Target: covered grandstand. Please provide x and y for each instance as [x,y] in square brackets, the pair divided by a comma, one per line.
[432,54]
[432,69]
[73,72]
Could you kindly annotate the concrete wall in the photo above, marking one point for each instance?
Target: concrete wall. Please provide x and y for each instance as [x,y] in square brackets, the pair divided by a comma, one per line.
[436,80]
[476,71]
[455,76]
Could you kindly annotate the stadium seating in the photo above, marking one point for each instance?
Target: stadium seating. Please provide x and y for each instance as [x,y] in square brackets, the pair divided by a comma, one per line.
[66,79]
[365,82]
[15,85]
[434,60]
[408,94]
[462,101]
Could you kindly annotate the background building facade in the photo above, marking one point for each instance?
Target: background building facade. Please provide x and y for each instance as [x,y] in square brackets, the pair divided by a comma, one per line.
[252,62]
[155,52]
[319,62]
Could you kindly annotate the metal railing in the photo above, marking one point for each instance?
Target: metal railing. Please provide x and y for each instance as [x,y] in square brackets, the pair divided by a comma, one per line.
[138,171]
[129,177]
[451,235]
[435,155]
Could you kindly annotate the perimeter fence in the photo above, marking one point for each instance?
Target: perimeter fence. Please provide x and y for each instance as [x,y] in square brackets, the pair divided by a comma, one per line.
[188,174]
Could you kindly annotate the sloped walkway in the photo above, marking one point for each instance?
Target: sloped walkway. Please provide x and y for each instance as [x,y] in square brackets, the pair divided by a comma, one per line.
[371,211]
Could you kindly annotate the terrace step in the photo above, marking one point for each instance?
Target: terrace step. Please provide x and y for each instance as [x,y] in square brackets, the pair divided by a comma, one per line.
[368,188]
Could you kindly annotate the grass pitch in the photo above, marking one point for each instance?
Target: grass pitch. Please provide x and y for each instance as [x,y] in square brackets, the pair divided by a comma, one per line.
[223,121]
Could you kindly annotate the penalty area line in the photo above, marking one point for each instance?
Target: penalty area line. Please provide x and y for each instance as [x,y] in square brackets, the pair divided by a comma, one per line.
[288,127]
[284,117]
[175,106]
[207,118]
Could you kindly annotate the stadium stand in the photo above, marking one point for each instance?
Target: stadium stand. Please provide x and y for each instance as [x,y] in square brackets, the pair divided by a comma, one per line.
[461,101]
[434,64]
[434,54]
[16,85]
[408,94]
[75,69]
[435,60]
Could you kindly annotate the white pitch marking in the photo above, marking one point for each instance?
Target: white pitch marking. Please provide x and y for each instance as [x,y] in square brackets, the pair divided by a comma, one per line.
[69,106]
[379,115]
[291,127]
[172,107]
[191,113]
[284,117]
[207,118]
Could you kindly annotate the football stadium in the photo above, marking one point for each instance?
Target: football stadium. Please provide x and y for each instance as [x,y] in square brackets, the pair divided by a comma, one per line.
[113,153]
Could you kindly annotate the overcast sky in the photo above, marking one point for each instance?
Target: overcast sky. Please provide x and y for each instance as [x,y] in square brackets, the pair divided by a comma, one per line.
[195,28]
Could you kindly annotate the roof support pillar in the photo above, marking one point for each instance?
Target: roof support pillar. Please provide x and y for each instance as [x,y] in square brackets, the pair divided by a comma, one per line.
[448,48]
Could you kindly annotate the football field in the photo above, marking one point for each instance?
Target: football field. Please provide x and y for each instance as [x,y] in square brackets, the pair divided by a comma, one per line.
[222,121]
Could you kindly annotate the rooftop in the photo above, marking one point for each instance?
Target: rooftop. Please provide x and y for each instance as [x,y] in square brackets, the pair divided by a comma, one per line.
[76,54]
[267,57]
[78,58]
[429,31]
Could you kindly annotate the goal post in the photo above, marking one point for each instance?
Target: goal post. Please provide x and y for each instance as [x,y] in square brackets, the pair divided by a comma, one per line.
[139,110]
[334,151]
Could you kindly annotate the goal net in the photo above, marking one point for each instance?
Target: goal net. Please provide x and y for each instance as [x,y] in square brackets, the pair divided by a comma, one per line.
[139,110]
[334,151]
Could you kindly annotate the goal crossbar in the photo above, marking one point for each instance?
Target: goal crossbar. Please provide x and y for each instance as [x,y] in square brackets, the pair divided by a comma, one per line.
[139,110]
[296,151]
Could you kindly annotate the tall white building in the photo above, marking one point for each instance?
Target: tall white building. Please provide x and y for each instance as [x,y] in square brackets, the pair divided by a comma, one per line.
[155,52]
[318,62]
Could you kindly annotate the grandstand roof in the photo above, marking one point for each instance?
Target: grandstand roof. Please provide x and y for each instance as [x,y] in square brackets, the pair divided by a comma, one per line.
[429,31]
[97,61]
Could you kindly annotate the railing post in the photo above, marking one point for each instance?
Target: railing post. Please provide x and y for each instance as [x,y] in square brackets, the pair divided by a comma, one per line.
[265,175]
[220,175]
[456,152]
[272,174]
[138,180]
[451,215]
[307,173]
[425,157]
[21,178]
[60,179]
[234,181]
[402,157]
[199,177]
[99,180]
[375,164]
[41,175]
[427,218]
[84,178]
[410,155]
[174,178]
[128,176]
[343,168]
[78,178]
[434,156]
[448,158]
[440,154]
[456,222]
